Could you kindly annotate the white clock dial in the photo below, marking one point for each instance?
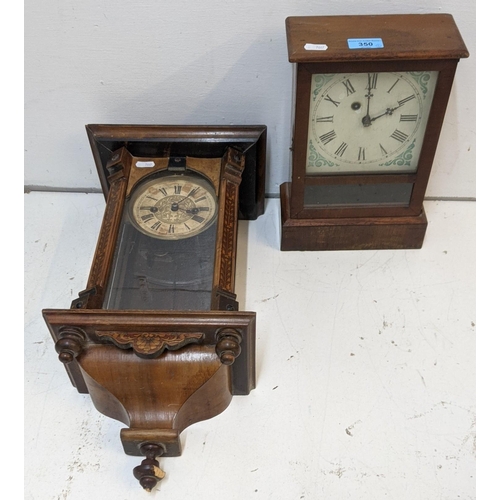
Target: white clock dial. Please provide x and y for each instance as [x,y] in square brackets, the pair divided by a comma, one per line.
[173,207]
[368,122]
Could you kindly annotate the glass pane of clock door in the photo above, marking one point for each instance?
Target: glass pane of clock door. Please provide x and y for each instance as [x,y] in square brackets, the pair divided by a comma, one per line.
[362,195]
[155,274]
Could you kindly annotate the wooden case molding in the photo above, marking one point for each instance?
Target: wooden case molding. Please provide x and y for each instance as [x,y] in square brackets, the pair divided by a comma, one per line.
[188,140]
[197,359]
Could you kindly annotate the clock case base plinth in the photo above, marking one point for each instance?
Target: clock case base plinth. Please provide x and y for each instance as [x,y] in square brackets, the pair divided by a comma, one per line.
[352,233]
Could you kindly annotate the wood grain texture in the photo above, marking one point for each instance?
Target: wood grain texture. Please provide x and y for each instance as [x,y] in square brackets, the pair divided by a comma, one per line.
[96,324]
[157,140]
[104,253]
[353,233]
[169,392]
[233,165]
[151,344]
[415,36]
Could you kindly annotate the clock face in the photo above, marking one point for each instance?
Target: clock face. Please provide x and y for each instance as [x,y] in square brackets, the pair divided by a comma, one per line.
[173,207]
[368,122]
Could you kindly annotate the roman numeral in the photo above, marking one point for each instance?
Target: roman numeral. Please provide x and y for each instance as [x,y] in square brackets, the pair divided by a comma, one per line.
[198,218]
[408,118]
[383,151]
[177,189]
[163,191]
[200,199]
[399,136]
[361,154]
[372,80]
[156,225]
[193,191]
[171,229]
[341,149]
[406,99]
[324,119]
[203,209]
[328,98]
[394,84]
[147,217]
[146,207]
[328,137]
[348,86]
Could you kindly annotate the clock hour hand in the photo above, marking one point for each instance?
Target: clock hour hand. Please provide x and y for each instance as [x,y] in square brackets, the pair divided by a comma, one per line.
[193,211]
[175,207]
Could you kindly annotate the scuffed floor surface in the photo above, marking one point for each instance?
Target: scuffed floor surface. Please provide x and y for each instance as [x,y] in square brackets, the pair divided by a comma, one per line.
[365,371]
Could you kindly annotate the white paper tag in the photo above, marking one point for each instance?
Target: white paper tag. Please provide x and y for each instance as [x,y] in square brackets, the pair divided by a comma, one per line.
[144,164]
[315,46]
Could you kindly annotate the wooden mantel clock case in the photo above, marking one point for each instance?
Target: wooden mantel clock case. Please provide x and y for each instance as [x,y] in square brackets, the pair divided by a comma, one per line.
[370,99]
[156,337]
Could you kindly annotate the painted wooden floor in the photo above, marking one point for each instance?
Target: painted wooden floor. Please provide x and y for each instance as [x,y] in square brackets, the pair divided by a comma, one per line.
[365,366]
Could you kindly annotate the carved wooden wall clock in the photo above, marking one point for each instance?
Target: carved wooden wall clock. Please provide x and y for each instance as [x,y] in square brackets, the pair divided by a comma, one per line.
[370,99]
[156,337]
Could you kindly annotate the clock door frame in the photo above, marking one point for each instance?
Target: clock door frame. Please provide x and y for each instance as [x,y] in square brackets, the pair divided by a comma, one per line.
[418,180]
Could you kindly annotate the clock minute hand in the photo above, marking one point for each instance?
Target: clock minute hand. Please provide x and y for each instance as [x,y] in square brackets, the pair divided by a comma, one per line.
[367,120]
[388,111]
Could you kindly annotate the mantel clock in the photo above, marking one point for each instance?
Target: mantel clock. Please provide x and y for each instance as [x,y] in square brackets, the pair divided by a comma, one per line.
[370,99]
[156,337]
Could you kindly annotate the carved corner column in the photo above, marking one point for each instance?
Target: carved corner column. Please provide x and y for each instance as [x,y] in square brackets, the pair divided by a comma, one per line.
[224,298]
[92,297]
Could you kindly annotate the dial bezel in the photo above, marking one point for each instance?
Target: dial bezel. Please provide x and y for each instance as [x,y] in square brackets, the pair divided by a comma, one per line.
[177,189]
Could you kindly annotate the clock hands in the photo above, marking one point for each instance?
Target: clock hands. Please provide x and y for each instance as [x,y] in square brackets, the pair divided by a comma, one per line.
[388,111]
[194,210]
[176,207]
[366,120]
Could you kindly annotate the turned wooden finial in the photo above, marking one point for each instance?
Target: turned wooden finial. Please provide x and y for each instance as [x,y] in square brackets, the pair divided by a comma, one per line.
[149,472]
[70,343]
[228,346]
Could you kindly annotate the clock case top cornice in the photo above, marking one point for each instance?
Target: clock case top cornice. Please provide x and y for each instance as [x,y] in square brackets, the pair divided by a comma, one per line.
[416,37]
